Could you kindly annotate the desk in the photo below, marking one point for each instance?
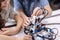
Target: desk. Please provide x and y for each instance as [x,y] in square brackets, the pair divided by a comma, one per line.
[49,20]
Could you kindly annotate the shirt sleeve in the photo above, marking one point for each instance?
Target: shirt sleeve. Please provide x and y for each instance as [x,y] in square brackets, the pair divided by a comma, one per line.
[17,5]
[44,3]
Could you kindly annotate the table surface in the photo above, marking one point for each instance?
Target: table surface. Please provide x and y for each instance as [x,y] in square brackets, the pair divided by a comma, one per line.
[49,20]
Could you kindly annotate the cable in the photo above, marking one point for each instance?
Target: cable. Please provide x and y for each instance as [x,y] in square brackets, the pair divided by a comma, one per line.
[52,16]
[51,24]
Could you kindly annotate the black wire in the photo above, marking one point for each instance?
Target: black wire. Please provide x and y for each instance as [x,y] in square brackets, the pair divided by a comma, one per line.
[52,16]
[51,24]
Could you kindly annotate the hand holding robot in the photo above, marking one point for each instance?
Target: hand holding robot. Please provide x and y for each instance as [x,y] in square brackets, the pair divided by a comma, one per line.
[37,29]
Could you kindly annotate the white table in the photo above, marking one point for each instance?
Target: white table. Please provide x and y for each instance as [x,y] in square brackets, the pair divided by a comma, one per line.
[55,20]
[49,20]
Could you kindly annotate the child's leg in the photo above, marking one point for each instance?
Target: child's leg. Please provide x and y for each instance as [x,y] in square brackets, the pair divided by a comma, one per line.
[3,37]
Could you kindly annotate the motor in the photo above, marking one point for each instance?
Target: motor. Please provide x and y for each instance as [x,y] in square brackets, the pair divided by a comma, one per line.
[46,33]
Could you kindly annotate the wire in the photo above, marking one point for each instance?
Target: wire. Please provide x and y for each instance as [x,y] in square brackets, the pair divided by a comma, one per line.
[51,24]
[52,16]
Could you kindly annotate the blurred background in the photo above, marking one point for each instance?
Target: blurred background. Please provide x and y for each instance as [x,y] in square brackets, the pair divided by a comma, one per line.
[55,4]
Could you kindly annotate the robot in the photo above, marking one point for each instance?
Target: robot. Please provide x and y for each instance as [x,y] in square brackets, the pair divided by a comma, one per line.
[37,29]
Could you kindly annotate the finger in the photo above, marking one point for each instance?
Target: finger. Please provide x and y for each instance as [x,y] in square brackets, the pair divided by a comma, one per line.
[27,23]
[1,32]
[4,29]
[24,25]
[5,33]
[35,10]
[28,20]
[39,12]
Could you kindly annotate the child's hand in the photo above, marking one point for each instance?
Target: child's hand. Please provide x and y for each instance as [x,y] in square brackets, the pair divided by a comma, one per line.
[8,31]
[37,12]
[26,21]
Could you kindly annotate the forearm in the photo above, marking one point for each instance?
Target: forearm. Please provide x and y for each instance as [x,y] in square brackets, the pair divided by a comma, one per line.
[19,21]
[13,31]
[21,13]
[3,37]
